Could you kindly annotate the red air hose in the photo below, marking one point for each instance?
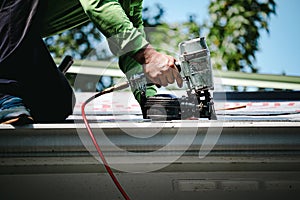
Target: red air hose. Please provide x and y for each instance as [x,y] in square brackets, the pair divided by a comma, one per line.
[108,169]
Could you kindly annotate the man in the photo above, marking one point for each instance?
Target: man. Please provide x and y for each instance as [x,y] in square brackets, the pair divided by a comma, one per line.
[32,89]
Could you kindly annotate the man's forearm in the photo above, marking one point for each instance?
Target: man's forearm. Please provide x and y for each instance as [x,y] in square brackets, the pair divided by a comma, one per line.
[112,21]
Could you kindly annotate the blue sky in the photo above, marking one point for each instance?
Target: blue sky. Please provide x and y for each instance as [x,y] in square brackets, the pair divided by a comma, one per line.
[279,51]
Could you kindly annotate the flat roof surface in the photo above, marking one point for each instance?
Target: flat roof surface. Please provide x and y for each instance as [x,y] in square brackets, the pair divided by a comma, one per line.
[251,106]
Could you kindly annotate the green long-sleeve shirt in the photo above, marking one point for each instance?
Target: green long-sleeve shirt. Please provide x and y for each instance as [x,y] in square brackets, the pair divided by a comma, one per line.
[120,21]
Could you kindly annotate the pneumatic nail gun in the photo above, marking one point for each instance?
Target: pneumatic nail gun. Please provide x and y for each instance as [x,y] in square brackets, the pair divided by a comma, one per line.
[196,70]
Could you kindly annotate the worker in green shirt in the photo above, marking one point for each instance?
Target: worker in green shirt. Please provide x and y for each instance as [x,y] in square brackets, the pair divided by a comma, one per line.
[32,89]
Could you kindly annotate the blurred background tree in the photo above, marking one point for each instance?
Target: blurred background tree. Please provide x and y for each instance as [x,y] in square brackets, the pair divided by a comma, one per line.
[232,33]
[80,42]
[165,37]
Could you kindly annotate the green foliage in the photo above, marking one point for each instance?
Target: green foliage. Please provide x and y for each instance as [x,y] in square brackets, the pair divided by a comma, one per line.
[235,30]
[166,37]
[80,42]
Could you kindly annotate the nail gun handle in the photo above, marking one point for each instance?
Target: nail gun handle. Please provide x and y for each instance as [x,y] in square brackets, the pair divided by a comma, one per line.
[177,65]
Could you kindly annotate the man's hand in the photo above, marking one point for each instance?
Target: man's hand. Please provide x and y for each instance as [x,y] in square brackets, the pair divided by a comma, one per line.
[159,68]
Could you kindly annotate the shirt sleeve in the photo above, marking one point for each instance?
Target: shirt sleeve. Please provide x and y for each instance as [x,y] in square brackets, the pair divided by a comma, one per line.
[112,20]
